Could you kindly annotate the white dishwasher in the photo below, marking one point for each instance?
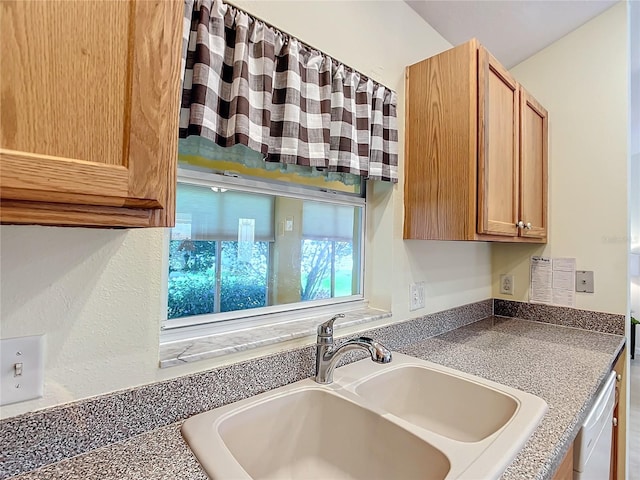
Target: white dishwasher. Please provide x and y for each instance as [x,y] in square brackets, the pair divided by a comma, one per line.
[592,448]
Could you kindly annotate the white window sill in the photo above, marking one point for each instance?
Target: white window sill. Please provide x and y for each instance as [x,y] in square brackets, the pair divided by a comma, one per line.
[220,340]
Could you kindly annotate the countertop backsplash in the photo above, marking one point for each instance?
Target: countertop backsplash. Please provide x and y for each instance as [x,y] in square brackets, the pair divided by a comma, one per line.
[564,316]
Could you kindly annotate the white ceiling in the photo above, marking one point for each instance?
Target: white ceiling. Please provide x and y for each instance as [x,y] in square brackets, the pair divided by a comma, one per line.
[512,30]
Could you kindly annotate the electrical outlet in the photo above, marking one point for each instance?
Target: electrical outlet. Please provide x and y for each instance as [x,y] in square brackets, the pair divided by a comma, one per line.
[416,296]
[506,284]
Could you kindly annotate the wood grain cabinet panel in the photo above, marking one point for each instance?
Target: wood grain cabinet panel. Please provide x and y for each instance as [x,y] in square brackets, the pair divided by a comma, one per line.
[498,148]
[565,470]
[475,151]
[533,166]
[440,146]
[89,122]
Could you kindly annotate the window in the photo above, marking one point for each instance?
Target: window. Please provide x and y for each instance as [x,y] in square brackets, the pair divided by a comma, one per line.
[252,246]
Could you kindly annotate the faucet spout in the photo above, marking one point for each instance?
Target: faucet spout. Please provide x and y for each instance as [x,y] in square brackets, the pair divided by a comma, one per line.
[379,353]
[327,355]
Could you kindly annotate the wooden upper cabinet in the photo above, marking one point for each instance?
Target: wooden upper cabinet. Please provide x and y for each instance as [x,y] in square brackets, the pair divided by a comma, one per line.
[475,151]
[533,166]
[498,173]
[89,122]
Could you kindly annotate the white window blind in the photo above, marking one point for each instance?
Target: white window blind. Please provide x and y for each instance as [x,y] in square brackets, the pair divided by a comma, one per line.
[214,213]
[326,221]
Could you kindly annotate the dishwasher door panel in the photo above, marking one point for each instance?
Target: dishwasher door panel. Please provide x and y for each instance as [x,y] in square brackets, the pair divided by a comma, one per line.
[592,447]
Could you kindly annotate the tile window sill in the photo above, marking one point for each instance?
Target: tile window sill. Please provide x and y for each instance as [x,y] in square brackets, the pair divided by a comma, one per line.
[221,340]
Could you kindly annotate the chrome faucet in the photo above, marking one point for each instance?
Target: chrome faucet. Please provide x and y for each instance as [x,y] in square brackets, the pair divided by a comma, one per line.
[327,355]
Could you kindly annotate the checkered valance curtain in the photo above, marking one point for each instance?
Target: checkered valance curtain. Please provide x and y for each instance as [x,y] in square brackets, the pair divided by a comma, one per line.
[246,82]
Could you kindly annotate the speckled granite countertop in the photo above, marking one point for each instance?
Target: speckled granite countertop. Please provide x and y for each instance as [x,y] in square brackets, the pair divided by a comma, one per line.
[564,366]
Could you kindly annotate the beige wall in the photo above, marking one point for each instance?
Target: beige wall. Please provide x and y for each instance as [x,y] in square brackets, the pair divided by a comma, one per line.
[582,80]
[97,294]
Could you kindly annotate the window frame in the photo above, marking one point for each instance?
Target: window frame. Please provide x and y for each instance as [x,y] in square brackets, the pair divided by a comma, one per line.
[241,319]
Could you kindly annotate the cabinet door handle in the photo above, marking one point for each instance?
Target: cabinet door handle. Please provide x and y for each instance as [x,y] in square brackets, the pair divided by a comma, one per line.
[615,422]
[520,224]
[528,226]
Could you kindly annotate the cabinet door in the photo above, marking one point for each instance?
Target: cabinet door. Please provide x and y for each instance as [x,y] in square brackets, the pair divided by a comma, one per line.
[497,148]
[565,470]
[90,97]
[533,166]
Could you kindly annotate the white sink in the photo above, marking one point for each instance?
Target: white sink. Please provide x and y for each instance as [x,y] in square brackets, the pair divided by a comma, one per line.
[447,404]
[408,419]
[309,433]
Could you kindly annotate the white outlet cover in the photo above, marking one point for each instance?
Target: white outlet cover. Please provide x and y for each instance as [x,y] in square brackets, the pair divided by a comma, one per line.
[506,284]
[417,296]
[28,351]
[584,281]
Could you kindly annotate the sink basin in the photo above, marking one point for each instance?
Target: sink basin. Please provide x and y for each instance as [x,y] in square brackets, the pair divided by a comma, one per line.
[310,433]
[446,404]
[479,424]
[407,419]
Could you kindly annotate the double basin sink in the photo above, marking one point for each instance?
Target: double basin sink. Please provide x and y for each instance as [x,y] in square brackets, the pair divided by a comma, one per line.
[404,420]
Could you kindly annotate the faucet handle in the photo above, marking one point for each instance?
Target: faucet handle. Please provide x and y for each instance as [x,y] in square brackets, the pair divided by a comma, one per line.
[326,329]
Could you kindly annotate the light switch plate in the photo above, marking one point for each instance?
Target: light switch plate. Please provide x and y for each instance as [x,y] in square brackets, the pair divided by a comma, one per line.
[21,369]
[288,224]
[584,281]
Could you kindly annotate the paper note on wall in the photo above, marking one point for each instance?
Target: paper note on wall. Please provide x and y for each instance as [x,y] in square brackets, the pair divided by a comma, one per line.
[553,281]
[541,280]
[564,282]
